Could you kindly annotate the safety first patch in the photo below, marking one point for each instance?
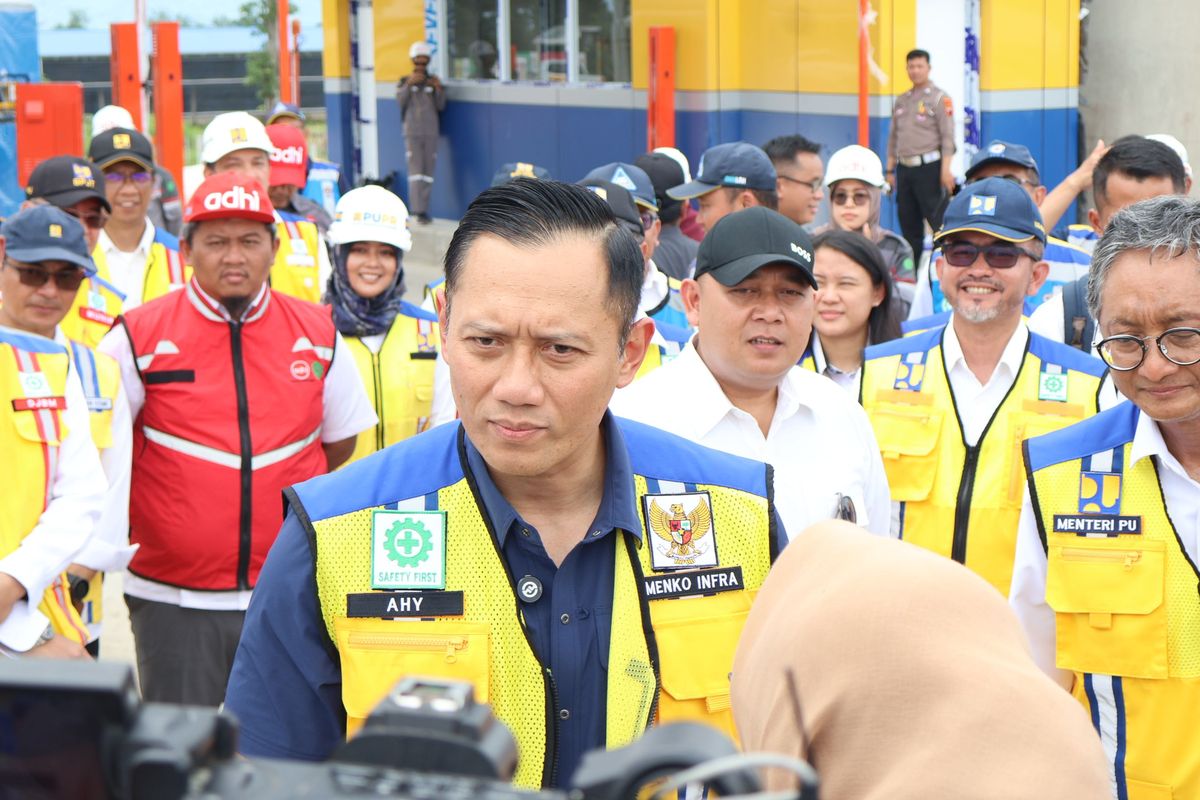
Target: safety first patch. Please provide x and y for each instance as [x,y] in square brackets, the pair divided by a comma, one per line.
[408,549]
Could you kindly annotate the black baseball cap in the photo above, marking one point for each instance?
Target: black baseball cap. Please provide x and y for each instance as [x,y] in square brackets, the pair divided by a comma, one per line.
[664,173]
[998,152]
[997,207]
[621,201]
[744,241]
[121,144]
[519,169]
[46,233]
[738,165]
[65,181]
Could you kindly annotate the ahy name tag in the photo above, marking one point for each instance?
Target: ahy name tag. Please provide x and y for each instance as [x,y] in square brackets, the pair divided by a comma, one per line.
[382,605]
[1110,525]
[693,584]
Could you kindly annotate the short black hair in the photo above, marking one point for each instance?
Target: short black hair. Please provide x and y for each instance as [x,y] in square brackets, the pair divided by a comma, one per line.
[883,324]
[1139,158]
[527,212]
[765,197]
[784,149]
[918,53]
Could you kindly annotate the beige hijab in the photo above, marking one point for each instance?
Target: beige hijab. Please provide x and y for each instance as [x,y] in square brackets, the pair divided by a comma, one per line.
[913,680]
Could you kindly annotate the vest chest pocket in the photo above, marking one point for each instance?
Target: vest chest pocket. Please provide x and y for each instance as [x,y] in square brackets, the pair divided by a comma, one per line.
[1108,601]
[375,653]
[908,435]
[38,425]
[1036,418]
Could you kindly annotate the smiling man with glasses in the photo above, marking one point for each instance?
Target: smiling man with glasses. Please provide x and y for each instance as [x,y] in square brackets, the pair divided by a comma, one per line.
[951,405]
[1105,578]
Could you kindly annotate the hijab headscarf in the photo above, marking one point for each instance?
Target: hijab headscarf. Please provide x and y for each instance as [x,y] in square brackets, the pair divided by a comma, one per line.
[911,677]
[355,315]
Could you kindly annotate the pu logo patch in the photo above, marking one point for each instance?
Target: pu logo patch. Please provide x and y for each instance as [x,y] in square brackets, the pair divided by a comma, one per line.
[1099,493]
[238,135]
[982,205]
[82,176]
[55,231]
[121,141]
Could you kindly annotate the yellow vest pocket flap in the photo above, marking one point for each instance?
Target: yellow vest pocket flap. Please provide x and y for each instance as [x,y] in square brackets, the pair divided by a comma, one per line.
[1106,577]
[376,653]
[906,430]
[697,657]
[39,425]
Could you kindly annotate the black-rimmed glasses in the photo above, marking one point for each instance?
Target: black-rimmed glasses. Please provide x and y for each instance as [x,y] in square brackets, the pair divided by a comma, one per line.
[1126,352]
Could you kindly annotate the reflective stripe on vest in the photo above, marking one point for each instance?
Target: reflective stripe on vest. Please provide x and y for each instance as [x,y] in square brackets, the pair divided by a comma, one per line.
[229,459]
[1126,611]
[101,379]
[961,502]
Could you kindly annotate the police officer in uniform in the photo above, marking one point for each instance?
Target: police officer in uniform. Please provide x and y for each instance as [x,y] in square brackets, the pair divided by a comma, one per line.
[920,144]
[1105,577]
[596,571]
[951,405]
[422,97]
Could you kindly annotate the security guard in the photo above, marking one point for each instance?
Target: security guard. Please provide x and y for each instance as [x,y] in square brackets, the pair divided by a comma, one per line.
[394,343]
[951,405]
[1105,582]
[588,575]
[920,144]
[237,142]
[53,489]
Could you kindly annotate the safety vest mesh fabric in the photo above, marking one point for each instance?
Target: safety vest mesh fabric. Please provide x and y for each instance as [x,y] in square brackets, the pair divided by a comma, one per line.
[101,378]
[30,439]
[189,442]
[906,393]
[1127,621]
[399,381]
[295,270]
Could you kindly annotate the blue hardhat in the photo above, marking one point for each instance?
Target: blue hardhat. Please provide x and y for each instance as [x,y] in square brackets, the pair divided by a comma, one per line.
[997,207]
[46,233]
[630,177]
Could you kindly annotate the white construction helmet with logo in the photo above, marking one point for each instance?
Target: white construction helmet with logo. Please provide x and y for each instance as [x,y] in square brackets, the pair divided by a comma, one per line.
[233,131]
[854,162]
[421,48]
[371,214]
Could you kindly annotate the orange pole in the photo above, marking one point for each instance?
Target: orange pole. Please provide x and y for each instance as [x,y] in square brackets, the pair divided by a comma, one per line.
[285,61]
[125,71]
[660,99]
[168,98]
[295,56]
[864,42]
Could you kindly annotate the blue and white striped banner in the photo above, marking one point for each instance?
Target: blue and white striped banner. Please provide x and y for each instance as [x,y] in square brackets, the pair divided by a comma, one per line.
[972,98]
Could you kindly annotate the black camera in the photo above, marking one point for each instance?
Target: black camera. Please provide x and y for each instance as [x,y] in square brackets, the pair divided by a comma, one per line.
[79,730]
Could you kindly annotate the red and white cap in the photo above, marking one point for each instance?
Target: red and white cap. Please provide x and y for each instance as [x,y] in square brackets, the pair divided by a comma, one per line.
[230,195]
[289,156]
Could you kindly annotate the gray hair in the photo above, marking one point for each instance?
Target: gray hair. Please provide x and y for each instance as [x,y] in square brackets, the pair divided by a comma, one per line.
[1166,226]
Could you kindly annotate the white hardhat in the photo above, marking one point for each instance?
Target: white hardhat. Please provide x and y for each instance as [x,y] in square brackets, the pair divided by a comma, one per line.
[1176,145]
[371,214]
[679,158]
[235,130]
[420,49]
[857,162]
[108,117]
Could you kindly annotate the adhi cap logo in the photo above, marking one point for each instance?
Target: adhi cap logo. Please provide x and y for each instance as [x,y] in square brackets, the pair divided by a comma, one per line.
[235,199]
[288,155]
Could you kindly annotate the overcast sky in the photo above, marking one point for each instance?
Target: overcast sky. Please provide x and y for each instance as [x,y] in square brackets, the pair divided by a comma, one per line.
[100,13]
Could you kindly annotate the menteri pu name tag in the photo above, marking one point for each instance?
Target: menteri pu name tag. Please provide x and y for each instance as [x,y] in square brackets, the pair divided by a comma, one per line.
[1108,525]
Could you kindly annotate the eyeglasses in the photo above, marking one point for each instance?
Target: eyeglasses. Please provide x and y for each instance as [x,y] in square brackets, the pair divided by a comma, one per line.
[67,280]
[119,178]
[648,218]
[95,220]
[1126,352]
[997,256]
[842,197]
[1013,178]
[813,186]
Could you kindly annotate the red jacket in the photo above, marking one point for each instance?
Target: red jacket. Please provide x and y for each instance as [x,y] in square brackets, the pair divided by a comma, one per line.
[232,415]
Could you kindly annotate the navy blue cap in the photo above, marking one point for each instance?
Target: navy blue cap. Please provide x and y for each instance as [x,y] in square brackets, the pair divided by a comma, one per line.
[998,152]
[46,233]
[631,178]
[519,169]
[621,201]
[737,165]
[997,207]
[282,110]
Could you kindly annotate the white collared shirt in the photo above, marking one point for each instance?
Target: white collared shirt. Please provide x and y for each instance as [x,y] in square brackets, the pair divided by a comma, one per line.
[820,441]
[655,288]
[64,527]
[849,381]
[1028,592]
[977,402]
[127,270]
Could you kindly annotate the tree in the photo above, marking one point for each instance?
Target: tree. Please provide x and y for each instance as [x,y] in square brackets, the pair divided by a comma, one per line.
[77,18]
[262,68]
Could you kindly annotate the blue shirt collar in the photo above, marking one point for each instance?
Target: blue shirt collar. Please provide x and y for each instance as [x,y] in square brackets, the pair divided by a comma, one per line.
[618,507]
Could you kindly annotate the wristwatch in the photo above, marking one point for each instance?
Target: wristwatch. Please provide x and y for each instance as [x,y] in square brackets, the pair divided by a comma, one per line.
[79,587]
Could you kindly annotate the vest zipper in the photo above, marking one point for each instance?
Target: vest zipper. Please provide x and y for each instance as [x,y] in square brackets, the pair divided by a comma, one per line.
[1128,558]
[377,379]
[552,727]
[962,508]
[245,518]
[450,645]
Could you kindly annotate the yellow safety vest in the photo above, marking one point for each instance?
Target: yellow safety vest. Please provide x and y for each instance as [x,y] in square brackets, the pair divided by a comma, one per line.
[1127,618]
[101,378]
[98,302]
[965,502]
[665,346]
[33,382]
[674,668]
[398,379]
[295,270]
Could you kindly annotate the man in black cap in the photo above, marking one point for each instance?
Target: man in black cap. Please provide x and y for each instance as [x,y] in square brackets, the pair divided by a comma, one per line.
[676,251]
[752,303]
[743,174]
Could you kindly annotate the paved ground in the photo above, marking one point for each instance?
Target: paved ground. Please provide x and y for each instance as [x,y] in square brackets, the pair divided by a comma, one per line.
[421,265]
